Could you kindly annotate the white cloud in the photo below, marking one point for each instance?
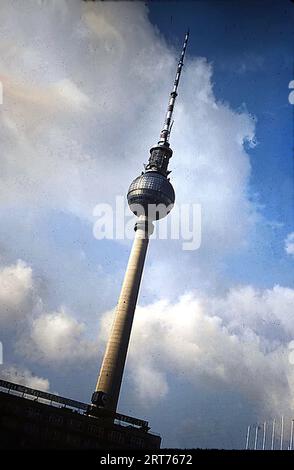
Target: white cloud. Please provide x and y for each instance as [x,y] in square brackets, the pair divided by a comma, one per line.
[289,244]
[58,158]
[24,377]
[68,161]
[69,92]
[151,384]
[211,364]
[16,292]
[53,337]
[216,341]
[266,312]
[56,338]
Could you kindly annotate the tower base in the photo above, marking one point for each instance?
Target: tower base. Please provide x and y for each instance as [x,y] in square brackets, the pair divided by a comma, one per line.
[31,419]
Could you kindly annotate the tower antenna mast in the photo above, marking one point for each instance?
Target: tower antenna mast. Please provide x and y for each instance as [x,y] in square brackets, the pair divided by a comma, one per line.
[165,133]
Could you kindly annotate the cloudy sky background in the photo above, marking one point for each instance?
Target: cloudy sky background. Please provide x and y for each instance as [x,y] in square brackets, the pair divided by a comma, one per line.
[85,87]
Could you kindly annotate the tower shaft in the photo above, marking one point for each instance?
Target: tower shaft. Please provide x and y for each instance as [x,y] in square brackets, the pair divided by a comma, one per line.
[110,377]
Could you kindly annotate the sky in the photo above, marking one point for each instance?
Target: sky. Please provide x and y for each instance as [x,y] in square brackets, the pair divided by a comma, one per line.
[85,87]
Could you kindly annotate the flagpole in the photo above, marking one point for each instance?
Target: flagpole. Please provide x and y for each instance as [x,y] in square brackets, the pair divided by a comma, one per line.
[247,437]
[282,433]
[291,435]
[256,433]
[273,434]
[264,435]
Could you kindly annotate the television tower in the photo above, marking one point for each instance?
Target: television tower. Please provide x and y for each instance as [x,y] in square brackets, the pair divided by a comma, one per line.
[150,197]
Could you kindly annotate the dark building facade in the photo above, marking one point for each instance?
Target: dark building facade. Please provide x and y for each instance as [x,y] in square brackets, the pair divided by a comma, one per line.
[32,419]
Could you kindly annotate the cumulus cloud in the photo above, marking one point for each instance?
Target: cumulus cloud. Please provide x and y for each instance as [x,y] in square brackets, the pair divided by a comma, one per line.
[289,244]
[191,340]
[266,312]
[24,377]
[226,346]
[53,337]
[53,152]
[56,337]
[56,156]
[74,111]
[16,293]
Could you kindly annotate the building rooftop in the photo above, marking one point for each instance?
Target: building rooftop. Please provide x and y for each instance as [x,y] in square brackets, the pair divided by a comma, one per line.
[32,418]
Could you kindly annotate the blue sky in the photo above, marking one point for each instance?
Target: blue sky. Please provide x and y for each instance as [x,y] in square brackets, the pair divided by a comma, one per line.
[84,100]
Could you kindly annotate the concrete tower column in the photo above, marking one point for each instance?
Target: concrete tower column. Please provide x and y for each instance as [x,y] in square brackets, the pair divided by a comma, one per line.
[110,377]
[151,194]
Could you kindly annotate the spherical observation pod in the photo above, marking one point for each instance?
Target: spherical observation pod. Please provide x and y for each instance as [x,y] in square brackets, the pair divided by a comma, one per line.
[152,195]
